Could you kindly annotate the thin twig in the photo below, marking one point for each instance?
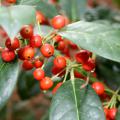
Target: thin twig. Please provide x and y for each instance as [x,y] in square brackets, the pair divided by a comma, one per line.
[87,81]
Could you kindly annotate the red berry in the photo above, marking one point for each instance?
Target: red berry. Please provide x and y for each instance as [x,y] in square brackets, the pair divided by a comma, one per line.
[94,75]
[67,21]
[11,1]
[98,87]
[47,50]
[40,17]
[8,55]
[56,70]
[26,31]
[56,87]
[20,54]
[73,46]
[39,74]
[105,97]
[106,111]
[78,75]
[27,65]
[28,53]
[107,118]
[53,1]
[36,41]
[1,49]
[60,62]
[57,38]
[46,83]
[58,22]
[61,45]
[82,56]
[89,65]
[66,51]
[112,113]
[12,46]
[38,63]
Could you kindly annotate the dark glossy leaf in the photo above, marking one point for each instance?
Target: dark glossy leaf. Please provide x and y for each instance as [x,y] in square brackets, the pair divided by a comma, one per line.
[48,67]
[101,39]
[73,103]
[8,78]
[118,114]
[14,17]
[47,9]
[109,71]
[74,9]
[98,13]
[27,85]
[91,15]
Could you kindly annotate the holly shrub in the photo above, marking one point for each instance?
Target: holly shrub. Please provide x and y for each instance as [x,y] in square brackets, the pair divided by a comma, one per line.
[67,48]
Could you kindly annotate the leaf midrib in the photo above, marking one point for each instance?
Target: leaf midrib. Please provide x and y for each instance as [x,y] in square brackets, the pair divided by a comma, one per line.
[76,103]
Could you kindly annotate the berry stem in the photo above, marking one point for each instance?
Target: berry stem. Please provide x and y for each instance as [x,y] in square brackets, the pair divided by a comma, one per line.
[87,81]
[58,74]
[72,74]
[66,74]
[39,29]
[109,90]
[45,62]
[25,42]
[112,102]
[48,36]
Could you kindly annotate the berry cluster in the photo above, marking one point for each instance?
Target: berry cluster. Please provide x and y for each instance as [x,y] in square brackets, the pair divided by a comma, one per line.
[26,45]
[109,103]
[34,50]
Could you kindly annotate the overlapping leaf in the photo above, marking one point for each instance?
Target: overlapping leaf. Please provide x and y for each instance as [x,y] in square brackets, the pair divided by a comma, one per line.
[8,78]
[98,38]
[47,9]
[14,17]
[27,85]
[73,103]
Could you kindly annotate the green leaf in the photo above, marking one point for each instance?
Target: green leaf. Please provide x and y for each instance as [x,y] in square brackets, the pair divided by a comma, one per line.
[27,85]
[109,71]
[73,103]
[118,114]
[74,9]
[14,17]
[48,67]
[47,9]
[101,39]
[8,78]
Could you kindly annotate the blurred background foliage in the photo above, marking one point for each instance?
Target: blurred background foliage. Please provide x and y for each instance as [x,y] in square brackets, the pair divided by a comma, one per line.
[27,101]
